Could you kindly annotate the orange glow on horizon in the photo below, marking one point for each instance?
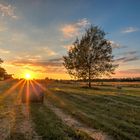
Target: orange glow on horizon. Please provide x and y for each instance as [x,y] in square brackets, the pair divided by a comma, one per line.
[19,72]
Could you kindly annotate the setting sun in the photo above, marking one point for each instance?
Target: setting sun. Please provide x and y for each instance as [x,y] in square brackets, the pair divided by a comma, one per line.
[28,76]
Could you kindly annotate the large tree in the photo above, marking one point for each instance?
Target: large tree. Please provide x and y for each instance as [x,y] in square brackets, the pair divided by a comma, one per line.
[91,56]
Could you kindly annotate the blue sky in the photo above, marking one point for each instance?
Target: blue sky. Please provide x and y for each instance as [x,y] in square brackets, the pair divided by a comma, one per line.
[35,34]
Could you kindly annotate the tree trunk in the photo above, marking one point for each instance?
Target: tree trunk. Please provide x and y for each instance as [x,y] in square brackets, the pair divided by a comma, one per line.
[89,83]
[89,79]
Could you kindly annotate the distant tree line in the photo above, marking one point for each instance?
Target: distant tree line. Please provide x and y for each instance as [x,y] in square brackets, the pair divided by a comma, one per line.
[136,79]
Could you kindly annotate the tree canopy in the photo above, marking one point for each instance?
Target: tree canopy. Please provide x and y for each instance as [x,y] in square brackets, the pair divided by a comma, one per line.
[91,56]
[2,70]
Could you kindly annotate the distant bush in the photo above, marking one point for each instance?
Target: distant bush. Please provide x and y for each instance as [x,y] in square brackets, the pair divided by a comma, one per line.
[119,87]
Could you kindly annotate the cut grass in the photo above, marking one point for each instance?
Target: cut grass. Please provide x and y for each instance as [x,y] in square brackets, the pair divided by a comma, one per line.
[45,122]
[116,112]
[7,107]
[105,110]
[50,127]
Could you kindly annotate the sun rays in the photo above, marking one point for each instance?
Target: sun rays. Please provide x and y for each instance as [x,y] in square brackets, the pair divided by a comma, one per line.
[24,89]
[27,91]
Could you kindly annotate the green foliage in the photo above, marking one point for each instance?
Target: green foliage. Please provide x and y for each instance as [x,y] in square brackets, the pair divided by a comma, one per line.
[91,56]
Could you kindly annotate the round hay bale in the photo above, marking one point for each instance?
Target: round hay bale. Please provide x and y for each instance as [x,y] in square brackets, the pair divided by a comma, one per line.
[119,87]
[32,94]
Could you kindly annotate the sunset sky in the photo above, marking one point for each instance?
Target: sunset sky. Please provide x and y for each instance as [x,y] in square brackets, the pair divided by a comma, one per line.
[35,34]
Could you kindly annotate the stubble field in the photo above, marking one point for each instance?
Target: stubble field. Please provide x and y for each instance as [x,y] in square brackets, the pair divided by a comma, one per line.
[71,112]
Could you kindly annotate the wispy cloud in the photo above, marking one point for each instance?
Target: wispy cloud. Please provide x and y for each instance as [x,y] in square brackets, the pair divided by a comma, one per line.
[29,57]
[130,30]
[2,27]
[133,72]
[48,51]
[130,71]
[42,66]
[41,63]
[7,10]
[116,45]
[38,70]
[68,47]
[3,51]
[37,55]
[72,30]
[130,53]
[126,59]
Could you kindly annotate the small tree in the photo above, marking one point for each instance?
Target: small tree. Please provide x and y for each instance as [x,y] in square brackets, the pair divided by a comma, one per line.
[2,70]
[91,56]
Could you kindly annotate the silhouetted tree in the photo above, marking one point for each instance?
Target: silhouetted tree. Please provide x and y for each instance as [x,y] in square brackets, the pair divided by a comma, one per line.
[91,56]
[1,61]
[2,70]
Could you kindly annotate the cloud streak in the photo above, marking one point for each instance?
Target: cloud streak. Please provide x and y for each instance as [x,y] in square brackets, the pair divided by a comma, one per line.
[7,10]
[116,45]
[43,63]
[130,71]
[126,59]
[44,66]
[130,30]
[74,29]
[3,51]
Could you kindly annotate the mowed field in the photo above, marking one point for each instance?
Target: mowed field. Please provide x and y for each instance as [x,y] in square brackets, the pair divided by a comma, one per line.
[71,112]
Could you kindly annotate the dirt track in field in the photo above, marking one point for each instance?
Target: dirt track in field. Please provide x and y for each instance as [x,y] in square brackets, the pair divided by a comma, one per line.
[72,122]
